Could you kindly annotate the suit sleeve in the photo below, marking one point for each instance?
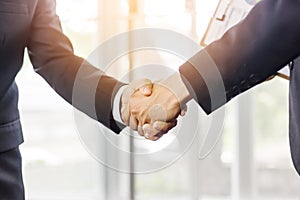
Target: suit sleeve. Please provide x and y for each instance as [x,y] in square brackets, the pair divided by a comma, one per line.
[248,53]
[52,56]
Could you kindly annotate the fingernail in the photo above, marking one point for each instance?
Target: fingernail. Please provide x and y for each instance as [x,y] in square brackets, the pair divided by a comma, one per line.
[147,135]
[183,113]
[157,126]
[145,90]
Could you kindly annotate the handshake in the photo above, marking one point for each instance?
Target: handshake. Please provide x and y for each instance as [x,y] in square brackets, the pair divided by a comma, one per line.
[152,109]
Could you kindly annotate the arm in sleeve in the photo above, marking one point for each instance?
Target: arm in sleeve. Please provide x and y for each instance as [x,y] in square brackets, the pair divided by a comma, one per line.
[248,53]
[52,56]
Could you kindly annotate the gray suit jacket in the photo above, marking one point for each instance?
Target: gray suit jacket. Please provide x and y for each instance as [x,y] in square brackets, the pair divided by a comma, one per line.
[247,54]
[33,24]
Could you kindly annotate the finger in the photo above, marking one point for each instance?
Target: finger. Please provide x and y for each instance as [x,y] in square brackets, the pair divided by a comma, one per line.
[140,131]
[146,84]
[136,84]
[149,131]
[155,138]
[133,123]
[158,112]
[146,89]
[183,110]
[164,127]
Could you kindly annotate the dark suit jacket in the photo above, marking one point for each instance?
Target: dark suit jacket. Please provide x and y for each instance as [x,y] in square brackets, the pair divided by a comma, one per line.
[33,24]
[256,48]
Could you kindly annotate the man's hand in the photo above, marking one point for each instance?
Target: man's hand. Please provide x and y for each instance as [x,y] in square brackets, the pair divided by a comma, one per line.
[150,109]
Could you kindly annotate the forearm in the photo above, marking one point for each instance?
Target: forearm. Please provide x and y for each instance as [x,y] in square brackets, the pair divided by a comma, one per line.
[77,81]
[264,42]
[87,88]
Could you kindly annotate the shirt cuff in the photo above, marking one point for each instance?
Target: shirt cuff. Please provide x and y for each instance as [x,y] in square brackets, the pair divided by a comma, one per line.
[116,105]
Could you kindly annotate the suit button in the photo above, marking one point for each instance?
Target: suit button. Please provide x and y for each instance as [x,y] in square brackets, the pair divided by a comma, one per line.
[291,65]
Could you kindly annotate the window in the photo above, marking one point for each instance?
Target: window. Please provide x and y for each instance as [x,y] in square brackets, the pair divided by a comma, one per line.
[56,166]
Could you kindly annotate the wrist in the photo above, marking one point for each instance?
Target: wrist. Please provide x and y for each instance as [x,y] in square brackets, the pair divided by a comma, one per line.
[177,87]
[117,104]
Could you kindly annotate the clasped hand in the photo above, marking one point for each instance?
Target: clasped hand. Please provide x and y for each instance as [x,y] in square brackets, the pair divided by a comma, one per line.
[150,108]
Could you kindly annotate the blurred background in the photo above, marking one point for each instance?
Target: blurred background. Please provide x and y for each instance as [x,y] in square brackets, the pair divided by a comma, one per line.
[251,160]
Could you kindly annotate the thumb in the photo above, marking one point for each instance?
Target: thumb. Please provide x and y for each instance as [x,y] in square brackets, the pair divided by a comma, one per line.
[146,89]
[143,85]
